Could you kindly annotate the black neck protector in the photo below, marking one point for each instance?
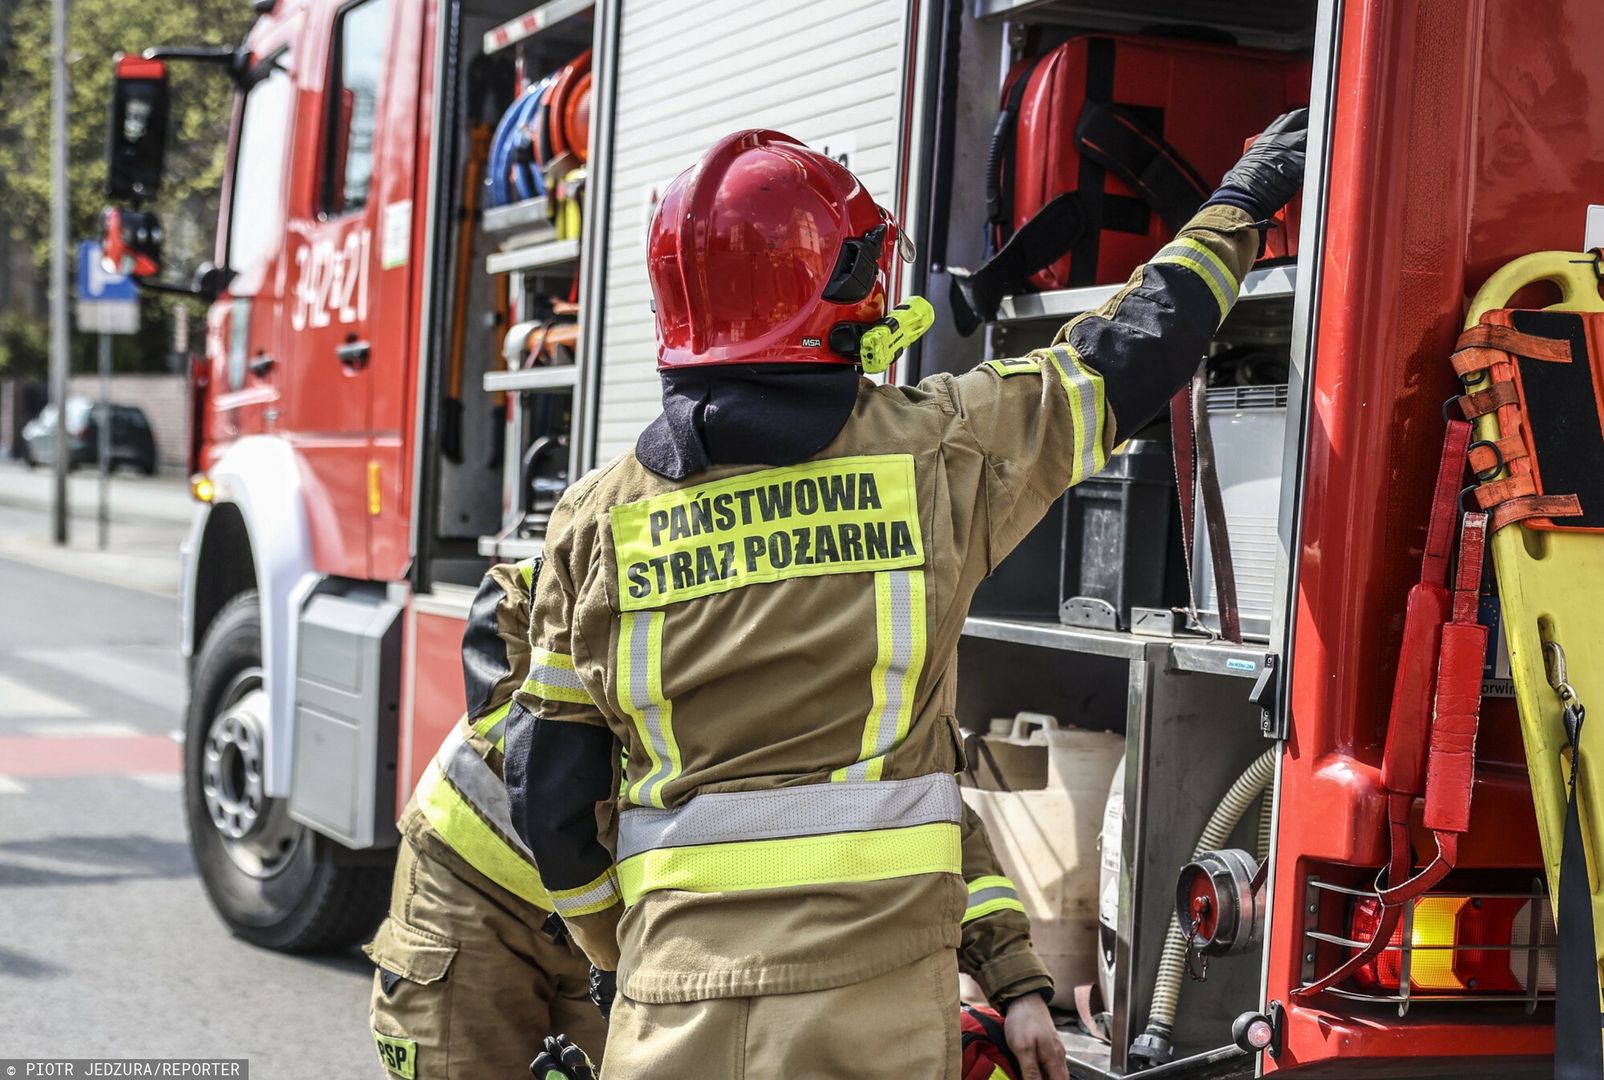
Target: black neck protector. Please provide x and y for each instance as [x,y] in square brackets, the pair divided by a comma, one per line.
[748,414]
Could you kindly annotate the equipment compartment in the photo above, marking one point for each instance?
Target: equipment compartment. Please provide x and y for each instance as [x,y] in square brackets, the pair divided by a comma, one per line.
[1179,697]
[504,358]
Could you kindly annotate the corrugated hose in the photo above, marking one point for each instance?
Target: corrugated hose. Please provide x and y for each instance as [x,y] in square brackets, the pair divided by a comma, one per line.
[1251,785]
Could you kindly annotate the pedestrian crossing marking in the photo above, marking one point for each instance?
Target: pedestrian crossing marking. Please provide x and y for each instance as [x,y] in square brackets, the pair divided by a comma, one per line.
[158,781]
[159,685]
[84,729]
[20,701]
[9,786]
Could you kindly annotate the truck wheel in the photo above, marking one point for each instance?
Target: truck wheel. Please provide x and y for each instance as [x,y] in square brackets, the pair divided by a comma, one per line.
[273,881]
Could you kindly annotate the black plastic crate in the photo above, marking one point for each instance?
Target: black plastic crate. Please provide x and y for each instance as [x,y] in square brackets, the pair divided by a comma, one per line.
[1029,583]
[1111,543]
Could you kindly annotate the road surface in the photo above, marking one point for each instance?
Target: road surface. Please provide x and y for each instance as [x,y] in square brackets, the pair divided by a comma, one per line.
[108,946]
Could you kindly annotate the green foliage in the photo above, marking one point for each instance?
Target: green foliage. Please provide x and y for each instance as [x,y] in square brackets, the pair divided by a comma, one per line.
[202,103]
[24,345]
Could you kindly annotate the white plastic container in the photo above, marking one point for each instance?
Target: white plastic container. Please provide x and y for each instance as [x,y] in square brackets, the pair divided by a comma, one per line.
[1047,840]
[1249,426]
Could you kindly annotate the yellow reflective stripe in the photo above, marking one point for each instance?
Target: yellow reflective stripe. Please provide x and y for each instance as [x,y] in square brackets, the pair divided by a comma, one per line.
[996,904]
[598,895]
[1084,389]
[546,658]
[1019,365]
[991,881]
[997,1073]
[485,725]
[552,676]
[526,570]
[640,691]
[836,516]
[1196,257]
[989,894]
[839,858]
[899,619]
[460,825]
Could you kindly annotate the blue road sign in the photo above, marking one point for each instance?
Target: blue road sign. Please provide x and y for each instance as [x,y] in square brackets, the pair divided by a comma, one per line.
[107,303]
[96,283]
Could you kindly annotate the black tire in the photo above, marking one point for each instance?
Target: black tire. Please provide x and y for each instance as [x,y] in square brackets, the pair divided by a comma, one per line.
[318,897]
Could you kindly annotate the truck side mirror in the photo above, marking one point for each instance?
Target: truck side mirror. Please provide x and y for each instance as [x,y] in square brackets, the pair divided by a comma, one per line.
[136,135]
[131,242]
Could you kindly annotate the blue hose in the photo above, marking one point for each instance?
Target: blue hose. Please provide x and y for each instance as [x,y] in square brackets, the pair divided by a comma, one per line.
[512,180]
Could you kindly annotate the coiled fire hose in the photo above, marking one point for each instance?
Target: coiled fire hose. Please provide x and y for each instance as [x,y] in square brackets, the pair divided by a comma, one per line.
[1152,1047]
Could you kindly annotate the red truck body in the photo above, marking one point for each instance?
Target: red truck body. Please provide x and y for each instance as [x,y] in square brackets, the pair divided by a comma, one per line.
[1459,136]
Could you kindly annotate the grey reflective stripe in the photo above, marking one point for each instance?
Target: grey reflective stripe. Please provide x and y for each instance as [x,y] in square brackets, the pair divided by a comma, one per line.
[996,892]
[479,785]
[1202,265]
[642,665]
[892,688]
[559,677]
[493,736]
[1088,419]
[593,898]
[814,810]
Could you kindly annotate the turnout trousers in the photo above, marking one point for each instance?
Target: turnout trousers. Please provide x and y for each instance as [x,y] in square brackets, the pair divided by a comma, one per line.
[895,1026]
[467,982]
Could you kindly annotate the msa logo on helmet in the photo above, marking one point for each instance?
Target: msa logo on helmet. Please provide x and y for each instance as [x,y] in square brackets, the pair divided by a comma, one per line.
[812,342]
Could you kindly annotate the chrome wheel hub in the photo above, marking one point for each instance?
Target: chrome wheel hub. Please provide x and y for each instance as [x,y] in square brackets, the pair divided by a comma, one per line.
[256,831]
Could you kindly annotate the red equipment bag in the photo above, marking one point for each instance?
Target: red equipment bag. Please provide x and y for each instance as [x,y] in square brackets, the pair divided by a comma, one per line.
[985,1051]
[1103,149]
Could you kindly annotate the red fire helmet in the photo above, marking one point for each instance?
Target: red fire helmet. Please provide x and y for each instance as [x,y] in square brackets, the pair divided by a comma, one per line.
[763,249]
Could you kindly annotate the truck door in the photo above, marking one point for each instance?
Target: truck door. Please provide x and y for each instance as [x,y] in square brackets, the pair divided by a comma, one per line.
[349,272]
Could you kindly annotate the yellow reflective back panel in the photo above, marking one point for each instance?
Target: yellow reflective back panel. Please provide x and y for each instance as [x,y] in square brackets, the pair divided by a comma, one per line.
[838,516]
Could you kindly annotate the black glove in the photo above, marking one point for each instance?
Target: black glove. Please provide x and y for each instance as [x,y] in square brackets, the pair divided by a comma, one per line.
[1270,171]
[603,987]
[562,1060]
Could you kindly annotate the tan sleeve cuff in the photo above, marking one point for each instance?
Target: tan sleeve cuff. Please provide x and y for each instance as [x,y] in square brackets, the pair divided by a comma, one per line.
[1013,974]
[597,935]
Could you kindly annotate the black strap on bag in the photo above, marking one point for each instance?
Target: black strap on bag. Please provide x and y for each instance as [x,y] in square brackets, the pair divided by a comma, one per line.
[976,295]
[1578,1046]
[1001,157]
[1116,139]
[1110,139]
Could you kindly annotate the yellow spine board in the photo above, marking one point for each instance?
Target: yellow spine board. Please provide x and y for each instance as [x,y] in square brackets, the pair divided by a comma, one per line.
[1552,583]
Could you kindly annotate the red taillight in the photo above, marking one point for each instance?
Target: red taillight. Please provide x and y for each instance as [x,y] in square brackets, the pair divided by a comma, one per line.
[1461,944]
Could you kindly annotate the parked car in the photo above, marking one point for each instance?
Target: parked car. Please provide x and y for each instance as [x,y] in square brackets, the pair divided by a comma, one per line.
[132,443]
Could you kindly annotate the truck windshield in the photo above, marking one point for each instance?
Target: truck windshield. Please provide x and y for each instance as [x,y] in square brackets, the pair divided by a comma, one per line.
[254,216]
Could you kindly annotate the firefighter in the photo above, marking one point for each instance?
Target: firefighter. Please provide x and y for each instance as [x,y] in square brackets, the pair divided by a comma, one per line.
[762,604]
[473,968]
[468,911]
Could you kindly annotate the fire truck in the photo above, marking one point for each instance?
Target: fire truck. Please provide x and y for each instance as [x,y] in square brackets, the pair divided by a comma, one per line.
[412,346]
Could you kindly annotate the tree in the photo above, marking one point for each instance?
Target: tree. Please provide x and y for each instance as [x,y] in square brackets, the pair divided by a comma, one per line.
[201,109]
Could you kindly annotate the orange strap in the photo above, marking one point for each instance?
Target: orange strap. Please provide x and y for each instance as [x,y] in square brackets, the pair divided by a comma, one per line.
[1485,401]
[1531,506]
[1489,457]
[1484,345]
